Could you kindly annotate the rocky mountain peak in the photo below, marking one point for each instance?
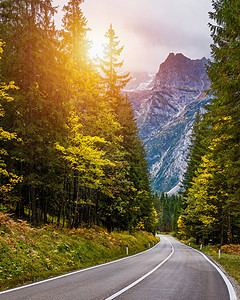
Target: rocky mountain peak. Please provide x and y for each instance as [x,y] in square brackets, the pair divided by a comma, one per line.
[165,114]
[180,71]
[180,62]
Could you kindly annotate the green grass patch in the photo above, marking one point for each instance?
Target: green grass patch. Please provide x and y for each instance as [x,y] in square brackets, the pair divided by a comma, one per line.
[29,254]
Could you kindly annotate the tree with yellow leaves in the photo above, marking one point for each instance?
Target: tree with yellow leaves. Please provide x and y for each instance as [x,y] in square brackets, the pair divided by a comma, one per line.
[7,178]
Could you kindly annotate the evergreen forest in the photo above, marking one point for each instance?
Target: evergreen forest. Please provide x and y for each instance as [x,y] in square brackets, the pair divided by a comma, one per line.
[211,204]
[70,150]
[208,207]
[168,210]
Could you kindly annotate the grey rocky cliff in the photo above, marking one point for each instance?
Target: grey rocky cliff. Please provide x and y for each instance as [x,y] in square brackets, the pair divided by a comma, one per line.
[165,115]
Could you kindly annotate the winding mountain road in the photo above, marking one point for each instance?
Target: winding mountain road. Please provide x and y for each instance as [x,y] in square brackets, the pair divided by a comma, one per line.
[168,271]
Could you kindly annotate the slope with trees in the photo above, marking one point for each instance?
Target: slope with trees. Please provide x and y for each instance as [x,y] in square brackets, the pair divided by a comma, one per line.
[168,210]
[212,198]
[139,211]
[79,156]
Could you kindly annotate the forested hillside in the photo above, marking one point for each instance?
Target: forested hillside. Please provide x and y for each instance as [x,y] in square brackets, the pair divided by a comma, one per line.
[168,210]
[70,150]
[212,187]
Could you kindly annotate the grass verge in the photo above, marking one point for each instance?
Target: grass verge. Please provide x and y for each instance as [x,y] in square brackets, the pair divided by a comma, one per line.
[29,254]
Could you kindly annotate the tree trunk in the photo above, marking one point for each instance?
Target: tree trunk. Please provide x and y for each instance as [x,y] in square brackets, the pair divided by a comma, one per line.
[34,203]
[75,197]
[45,212]
[229,227]
[222,235]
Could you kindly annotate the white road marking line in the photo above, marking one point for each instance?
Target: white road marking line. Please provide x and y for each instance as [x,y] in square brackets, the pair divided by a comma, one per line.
[231,291]
[75,272]
[143,277]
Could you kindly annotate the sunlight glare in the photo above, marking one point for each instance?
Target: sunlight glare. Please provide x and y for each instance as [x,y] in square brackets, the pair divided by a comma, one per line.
[96,49]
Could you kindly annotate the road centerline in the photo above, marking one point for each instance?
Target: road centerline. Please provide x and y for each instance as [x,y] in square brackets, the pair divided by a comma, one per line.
[143,277]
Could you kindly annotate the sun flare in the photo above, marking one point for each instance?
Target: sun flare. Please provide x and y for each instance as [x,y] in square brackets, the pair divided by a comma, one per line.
[96,49]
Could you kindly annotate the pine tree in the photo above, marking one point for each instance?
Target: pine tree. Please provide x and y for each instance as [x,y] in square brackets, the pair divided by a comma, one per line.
[196,150]
[95,122]
[213,198]
[139,196]
[87,160]
[193,159]
[31,58]
[73,35]
[168,209]
[110,65]
[81,157]
[223,115]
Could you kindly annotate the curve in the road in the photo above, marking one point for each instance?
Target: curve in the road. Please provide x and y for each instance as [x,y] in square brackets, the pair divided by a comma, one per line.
[74,272]
[230,288]
[170,270]
[142,278]
[231,291]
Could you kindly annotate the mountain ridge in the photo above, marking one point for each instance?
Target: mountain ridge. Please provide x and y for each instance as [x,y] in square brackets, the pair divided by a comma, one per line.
[165,114]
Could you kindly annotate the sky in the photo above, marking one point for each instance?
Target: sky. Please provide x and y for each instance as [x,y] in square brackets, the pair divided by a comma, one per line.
[149,29]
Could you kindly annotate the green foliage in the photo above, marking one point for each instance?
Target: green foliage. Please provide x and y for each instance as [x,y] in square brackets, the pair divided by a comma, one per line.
[8,178]
[74,33]
[195,152]
[168,210]
[84,153]
[212,194]
[110,65]
[81,160]
[136,180]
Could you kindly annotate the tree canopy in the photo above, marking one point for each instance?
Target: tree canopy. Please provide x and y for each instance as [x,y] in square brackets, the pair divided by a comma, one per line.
[70,150]
[212,198]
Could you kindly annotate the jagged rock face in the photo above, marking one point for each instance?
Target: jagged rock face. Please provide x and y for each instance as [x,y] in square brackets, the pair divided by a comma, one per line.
[165,115]
[180,72]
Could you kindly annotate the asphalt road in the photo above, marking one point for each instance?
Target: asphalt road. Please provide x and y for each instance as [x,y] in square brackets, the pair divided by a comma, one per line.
[167,271]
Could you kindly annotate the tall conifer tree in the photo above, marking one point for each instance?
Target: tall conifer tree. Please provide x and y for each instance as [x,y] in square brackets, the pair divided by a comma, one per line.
[213,199]
[140,203]
[110,65]
[32,61]
[223,115]
[195,152]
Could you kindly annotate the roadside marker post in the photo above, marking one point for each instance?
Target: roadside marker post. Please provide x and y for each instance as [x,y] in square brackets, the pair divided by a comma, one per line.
[127,249]
[219,253]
